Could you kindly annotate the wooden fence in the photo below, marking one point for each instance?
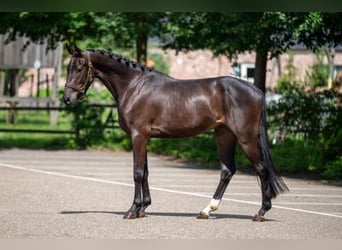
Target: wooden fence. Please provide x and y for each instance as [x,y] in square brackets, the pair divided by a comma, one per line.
[110,122]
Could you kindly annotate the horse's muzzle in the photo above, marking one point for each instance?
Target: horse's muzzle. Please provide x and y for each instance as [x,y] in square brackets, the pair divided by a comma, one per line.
[67,101]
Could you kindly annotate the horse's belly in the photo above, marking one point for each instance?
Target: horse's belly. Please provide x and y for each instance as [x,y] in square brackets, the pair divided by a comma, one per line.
[184,119]
[182,128]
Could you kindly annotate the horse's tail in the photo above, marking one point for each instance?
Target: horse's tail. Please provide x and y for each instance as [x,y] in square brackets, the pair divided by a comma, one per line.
[277,184]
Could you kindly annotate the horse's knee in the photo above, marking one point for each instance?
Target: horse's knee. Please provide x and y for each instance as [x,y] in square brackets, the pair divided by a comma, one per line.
[138,175]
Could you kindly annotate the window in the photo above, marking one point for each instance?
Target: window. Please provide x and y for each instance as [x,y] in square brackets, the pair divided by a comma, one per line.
[247,71]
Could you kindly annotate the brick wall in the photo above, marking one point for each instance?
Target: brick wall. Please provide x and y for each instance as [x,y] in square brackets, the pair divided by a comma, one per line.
[202,63]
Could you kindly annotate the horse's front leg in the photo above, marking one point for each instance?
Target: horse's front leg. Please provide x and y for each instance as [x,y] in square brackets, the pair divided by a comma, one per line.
[139,143]
[145,191]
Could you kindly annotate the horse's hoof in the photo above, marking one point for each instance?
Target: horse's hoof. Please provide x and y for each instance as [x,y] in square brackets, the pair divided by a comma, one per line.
[130,215]
[258,218]
[141,214]
[202,216]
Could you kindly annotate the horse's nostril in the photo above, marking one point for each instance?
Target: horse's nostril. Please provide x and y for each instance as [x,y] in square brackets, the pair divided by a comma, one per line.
[67,100]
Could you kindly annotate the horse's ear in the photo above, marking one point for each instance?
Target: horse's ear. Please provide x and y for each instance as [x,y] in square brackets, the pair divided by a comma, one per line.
[73,50]
[70,48]
[77,51]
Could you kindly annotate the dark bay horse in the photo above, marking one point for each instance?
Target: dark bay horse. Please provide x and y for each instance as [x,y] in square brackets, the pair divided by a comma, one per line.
[152,104]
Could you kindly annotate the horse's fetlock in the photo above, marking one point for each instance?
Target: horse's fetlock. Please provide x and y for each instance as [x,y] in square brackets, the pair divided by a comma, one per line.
[137,203]
[147,201]
[267,205]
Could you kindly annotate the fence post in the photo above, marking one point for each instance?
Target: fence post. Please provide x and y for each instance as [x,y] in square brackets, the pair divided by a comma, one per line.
[11,112]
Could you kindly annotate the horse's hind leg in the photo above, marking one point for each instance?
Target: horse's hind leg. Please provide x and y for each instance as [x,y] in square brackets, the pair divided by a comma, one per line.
[252,151]
[226,142]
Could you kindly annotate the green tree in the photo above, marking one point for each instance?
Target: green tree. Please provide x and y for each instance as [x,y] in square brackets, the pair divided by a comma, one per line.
[267,33]
[319,74]
[54,26]
[142,26]
[287,80]
[108,29]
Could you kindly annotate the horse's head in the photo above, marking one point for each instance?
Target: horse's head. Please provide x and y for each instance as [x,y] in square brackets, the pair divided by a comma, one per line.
[80,75]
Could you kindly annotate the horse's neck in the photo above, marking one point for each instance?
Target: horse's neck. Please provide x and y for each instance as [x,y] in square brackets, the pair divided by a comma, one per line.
[116,77]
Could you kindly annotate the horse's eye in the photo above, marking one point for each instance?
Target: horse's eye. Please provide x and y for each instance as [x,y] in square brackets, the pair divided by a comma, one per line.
[79,68]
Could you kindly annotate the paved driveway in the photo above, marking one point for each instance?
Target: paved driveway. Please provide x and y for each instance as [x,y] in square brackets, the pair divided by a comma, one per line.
[84,194]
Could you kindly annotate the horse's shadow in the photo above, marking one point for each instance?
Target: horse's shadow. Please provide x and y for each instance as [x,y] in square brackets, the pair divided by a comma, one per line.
[167,214]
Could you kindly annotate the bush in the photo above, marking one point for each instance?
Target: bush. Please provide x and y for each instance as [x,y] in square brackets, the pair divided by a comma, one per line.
[333,170]
[201,149]
[311,123]
[116,139]
[87,124]
[310,114]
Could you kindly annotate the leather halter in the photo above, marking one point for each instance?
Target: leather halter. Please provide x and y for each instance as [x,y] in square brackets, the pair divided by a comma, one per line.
[85,84]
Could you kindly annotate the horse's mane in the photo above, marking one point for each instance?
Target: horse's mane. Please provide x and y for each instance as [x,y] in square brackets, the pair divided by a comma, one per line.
[125,61]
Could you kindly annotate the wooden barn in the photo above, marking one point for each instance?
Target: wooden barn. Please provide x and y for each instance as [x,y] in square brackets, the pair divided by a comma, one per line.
[34,68]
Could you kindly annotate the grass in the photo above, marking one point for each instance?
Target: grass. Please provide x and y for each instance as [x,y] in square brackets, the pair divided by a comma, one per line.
[34,141]
[34,120]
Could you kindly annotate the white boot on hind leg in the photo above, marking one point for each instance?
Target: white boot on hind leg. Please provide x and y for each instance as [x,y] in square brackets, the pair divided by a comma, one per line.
[212,206]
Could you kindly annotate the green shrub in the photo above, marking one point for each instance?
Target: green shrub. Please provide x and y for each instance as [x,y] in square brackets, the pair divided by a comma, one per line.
[313,132]
[87,124]
[333,170]
[311,114]
[116,139]
[201,149]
